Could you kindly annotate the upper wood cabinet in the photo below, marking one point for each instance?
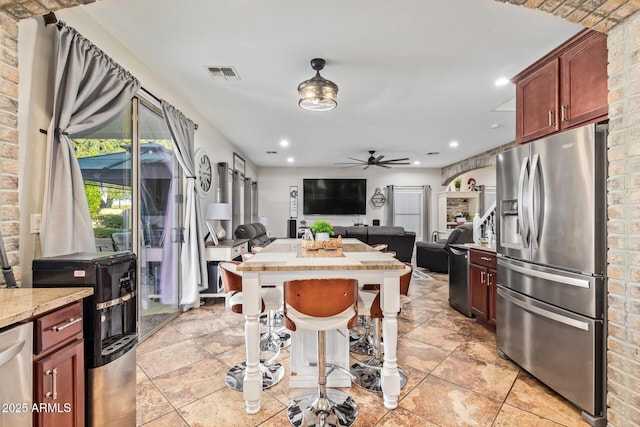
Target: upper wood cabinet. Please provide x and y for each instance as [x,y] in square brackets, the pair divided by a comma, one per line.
[566,88]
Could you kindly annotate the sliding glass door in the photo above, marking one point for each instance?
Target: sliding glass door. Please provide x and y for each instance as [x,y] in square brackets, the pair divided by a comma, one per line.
[160,193]
[133,186]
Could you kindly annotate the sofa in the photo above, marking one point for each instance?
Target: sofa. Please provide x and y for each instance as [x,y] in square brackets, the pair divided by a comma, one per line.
[398,240]
[255,232]
[435,255]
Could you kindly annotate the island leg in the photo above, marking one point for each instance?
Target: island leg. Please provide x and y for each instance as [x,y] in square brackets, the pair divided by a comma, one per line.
[390,299]
[252,385]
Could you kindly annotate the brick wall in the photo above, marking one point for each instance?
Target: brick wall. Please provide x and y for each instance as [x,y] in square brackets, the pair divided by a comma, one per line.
[623,227]
[9,212]
[612,16]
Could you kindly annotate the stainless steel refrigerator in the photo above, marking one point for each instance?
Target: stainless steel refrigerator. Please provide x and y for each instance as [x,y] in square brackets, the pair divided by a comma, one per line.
[551,245]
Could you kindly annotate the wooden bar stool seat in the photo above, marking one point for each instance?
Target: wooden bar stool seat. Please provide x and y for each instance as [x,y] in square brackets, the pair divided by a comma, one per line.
[321,305]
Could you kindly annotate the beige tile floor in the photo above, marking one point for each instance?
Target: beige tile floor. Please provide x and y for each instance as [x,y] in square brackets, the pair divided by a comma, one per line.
[455,375]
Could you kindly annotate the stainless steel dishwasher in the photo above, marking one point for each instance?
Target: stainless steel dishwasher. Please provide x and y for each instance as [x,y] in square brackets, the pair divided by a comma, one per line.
[16,373]
[459,297]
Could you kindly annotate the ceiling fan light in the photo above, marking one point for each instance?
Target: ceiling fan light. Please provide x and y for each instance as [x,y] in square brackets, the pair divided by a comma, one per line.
[317,93]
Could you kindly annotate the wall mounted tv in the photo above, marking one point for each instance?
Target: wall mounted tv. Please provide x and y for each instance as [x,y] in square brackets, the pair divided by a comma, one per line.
[328,196]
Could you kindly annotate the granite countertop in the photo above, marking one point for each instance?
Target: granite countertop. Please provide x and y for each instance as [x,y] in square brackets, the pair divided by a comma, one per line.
[19,304]
[481,247]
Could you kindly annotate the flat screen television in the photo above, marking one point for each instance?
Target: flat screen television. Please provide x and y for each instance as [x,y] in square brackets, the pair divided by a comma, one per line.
[330,196]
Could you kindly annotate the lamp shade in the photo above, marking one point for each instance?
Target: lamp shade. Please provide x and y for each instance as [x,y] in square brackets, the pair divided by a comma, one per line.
[263,220]
[219,211]
[317,93]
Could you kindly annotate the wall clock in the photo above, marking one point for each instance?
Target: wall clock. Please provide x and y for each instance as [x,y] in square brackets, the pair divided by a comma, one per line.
[204,172]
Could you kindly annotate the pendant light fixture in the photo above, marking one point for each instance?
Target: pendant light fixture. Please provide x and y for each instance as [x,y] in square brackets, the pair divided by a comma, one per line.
[317,93]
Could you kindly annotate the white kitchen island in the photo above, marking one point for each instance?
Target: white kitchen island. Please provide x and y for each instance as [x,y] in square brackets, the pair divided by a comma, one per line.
[283,260]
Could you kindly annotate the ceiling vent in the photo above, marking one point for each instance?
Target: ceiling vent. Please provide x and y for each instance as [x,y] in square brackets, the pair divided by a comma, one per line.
[224,73]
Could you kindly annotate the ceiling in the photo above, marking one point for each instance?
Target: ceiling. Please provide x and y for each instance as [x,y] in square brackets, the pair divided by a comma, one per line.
[413,75]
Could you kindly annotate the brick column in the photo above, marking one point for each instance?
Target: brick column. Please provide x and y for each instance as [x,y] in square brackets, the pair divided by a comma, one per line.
[623,226]
[9,211]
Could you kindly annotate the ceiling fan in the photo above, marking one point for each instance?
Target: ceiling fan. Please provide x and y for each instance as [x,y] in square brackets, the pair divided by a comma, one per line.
[374,160]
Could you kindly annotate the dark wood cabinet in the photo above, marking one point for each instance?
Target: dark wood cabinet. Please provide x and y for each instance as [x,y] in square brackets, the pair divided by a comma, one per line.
[566,88]
[58,368]
[482,283]
[537,103]
[584,81]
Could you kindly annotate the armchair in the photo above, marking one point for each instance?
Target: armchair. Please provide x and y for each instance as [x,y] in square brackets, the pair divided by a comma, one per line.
[435,255]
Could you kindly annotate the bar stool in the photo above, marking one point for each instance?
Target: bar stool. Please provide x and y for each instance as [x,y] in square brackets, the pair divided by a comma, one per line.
[273,319]
[321,305]
[272,371]
[361,340]
[367,371]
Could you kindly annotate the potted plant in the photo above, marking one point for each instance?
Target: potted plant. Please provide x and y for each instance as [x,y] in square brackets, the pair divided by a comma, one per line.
[322,229]
[457,183]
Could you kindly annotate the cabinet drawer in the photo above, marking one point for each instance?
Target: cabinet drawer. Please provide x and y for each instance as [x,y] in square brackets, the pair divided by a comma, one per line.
[236,251]
[58,327]
[486,259]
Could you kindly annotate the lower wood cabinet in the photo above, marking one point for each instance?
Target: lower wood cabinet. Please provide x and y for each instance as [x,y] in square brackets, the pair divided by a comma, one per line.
[58,369]
[482,283]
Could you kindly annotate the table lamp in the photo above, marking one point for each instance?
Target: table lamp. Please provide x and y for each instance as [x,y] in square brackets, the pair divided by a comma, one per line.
[217,212]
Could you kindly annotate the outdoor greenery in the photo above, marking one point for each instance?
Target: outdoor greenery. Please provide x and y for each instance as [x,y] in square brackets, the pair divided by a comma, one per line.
[322,226]
[105,225]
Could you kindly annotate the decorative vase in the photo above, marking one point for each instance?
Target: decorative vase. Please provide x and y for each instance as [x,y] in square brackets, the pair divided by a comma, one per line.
[457,188]
[322,236]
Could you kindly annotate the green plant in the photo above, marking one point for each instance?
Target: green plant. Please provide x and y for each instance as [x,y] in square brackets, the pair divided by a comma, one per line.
[457,183]
[322,226]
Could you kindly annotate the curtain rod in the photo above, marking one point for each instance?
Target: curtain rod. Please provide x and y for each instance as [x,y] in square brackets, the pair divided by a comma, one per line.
[50,18]
[148,92]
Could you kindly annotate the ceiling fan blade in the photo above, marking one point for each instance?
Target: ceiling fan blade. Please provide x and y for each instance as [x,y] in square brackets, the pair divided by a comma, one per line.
[358,160]
[396,160]
[347,163]
[382,165]
[366,167]
[377,159]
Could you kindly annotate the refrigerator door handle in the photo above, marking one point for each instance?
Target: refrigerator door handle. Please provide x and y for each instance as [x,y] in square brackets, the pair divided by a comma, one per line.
[544,313]
[535,210]
[522,224]
[580,283]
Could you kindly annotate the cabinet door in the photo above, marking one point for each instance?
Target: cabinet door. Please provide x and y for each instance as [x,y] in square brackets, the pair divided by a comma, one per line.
[584,81]
[478,285]
[59,387]
[537,102]
[492,291]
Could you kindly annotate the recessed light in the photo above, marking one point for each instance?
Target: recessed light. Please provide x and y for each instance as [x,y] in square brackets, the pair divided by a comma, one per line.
[284,143]
[417,162]
[453,144]
[495,125]
[290,159]
[502,81]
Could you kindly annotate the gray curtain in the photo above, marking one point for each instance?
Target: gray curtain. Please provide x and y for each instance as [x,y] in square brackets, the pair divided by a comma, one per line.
[235,200]
[426,203]
[388,207]
[254,201]
[90,90]
[248,202]
[194,266]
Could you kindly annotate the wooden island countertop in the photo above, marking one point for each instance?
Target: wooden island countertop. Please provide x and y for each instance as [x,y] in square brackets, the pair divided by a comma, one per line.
[288,255]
